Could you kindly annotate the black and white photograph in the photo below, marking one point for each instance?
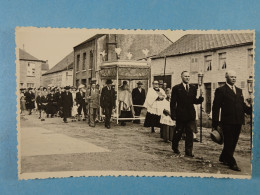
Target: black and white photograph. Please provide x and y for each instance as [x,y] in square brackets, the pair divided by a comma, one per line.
[101,102]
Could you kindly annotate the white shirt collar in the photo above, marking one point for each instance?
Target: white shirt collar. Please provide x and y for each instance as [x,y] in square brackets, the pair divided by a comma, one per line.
[184,85]
[230,86]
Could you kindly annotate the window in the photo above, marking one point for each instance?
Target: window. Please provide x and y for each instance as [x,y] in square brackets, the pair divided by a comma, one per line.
[222,61]
[194,66]
[77,64]
[250,58]
[31,69]
[208,63]
[91,60]
[84,61]
[30,85]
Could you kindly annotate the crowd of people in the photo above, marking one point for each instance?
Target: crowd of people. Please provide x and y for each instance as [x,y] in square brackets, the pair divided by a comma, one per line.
[171,110]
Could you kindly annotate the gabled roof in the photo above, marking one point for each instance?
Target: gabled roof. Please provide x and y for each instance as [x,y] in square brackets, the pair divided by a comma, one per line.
[64,64]
[23,55]
[193,43]
[90,39]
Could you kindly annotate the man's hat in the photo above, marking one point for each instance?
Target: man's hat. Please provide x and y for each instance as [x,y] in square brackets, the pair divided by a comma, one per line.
[139,83]
[109,81]
[93,82]
[67,87]
[217,136]
[29,88]
[124,82]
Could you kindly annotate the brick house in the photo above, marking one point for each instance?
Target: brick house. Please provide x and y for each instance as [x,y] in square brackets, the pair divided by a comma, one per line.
[31,70]
[61,74]
[88,58]
[211,54]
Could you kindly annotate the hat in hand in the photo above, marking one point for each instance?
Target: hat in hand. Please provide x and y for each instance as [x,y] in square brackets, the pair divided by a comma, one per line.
[217,136]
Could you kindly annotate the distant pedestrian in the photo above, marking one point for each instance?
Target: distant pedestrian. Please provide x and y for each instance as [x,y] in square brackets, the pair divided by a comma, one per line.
[67,103]
[153,103]
[125,104]
[51,107]
[107,101]
[93,96]
[167,123]
[138,96]
[22,101]
[30,98]
[81,102]
[183,98]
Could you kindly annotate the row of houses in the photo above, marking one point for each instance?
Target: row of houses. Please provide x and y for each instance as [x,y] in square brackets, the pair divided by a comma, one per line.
[211,54]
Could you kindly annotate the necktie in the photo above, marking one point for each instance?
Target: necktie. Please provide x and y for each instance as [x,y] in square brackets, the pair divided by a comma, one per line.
[233,89]
[187,88]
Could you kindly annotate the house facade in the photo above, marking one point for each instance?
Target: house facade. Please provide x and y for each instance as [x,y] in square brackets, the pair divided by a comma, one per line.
[89,55]
[211,55]
[61,74]
[31,70]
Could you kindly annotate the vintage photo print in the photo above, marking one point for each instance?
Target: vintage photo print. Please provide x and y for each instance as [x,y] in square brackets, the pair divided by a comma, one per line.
[101,102]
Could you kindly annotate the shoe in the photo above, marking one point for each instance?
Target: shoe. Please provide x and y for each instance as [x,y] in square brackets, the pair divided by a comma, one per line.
[224,162]
[65,121]
[189,155]
[108,126]
[234,168]
[42,119]
[176,151]
[196,140]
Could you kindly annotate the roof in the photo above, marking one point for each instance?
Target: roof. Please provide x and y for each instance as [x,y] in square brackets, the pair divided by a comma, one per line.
[90,39]
[193,43]
[64,64]
[23,55]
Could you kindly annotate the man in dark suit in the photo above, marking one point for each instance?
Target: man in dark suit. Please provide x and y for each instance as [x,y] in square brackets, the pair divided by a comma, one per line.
[138,96]
[183,98]
[81,102]
[230,100]
[66,103]
[107,101]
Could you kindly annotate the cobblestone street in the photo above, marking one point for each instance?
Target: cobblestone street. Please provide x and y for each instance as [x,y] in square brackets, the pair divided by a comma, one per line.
[53,146]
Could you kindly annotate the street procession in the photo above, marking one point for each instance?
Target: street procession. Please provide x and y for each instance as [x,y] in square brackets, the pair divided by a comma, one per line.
[192,92]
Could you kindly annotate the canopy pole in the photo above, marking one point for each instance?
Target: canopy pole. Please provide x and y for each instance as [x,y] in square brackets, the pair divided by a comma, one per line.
[117,95]
[164,69]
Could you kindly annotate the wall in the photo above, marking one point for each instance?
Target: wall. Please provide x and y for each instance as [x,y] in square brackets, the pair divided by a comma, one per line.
[60,79]
[30,79]
[236,59]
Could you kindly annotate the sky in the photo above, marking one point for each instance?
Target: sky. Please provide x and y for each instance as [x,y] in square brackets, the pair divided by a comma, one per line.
[54,44]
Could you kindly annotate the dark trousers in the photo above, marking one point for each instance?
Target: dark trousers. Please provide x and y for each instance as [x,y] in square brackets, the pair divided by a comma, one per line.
[188,127]
[231,134]
[137,113]
[84,107]
[66,113]
[108,112]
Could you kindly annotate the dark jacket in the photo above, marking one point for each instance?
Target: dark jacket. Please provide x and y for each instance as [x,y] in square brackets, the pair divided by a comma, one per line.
[108,97]
[66,100]
[30,98]
[80,99]
[182,103]
[233,107]
[138,97]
